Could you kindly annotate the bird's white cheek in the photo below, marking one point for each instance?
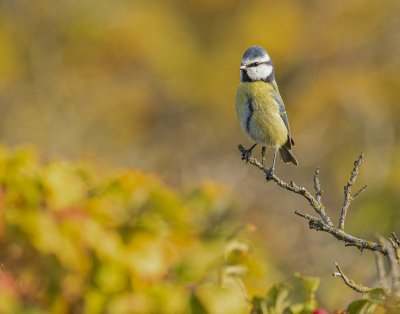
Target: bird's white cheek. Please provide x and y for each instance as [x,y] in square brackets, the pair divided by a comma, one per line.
[252,74]
[265,70]
[259,73]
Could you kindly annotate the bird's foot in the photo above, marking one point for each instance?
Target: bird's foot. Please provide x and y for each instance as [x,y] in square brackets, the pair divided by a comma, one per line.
[246,155]
[270,174]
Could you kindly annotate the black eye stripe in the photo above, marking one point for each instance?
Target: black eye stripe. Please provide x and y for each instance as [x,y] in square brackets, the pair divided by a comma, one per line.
[254,64]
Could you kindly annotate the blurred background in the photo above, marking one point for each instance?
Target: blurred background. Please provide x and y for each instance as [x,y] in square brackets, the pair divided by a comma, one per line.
[151,85]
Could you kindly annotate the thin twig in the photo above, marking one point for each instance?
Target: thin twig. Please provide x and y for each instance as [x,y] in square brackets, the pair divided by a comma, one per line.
[395,272]
[241,284]
[395,238]
[349,282]
[381,271]
[347,190]
[359,192]
[317,187]
[395,247]
[309,217]
[394,267]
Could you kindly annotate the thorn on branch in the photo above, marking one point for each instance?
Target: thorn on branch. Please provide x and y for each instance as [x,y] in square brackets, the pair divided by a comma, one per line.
[349,282]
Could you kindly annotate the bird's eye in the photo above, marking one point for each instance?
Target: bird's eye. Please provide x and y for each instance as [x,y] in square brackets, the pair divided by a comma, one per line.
[256,63]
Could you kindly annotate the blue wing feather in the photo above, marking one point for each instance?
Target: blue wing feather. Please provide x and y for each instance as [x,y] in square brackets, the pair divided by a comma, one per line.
[284,117]
[282,112]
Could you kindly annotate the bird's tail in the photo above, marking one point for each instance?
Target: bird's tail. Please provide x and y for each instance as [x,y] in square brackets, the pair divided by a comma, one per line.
[287,155]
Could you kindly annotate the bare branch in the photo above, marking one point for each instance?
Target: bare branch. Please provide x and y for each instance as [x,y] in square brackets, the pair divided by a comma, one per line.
[394,245]
[395,288]
[317,187]
[359,192]
[325,224]
[361,244]
[314,223]
[310,218]
[381,271]
[395,238]
[393,257]
[241,284]
[395,248]
[347,190]
[393,263]
[293,188]
[349,282]
[395,271]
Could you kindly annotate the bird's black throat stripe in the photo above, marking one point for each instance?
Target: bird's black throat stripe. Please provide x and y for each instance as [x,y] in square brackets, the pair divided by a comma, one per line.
[251,110]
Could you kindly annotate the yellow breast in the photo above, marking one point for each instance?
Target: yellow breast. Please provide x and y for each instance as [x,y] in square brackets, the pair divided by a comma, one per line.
[259,114]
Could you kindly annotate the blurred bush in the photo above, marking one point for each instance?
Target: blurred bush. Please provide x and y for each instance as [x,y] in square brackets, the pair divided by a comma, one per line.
[71,242]
[151,84]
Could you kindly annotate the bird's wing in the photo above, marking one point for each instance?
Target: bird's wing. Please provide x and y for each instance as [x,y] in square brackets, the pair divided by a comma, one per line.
[282,111]
[241,99]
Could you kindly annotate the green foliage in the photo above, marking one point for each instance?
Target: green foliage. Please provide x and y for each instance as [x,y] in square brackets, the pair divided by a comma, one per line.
[376,301]
[294,296]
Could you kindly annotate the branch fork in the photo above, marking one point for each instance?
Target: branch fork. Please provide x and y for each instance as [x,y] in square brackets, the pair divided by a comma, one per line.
[324,223]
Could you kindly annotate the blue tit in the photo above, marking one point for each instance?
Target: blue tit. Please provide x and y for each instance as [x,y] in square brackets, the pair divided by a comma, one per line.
[260,108]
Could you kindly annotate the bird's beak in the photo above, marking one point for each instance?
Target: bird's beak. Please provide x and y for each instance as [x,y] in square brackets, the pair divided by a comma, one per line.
[243,67]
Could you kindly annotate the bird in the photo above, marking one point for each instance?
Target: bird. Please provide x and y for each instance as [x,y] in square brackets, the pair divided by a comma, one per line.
[260,108]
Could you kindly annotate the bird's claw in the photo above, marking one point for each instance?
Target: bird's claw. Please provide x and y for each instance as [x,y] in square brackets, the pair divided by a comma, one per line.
[246,155]
[270,174]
